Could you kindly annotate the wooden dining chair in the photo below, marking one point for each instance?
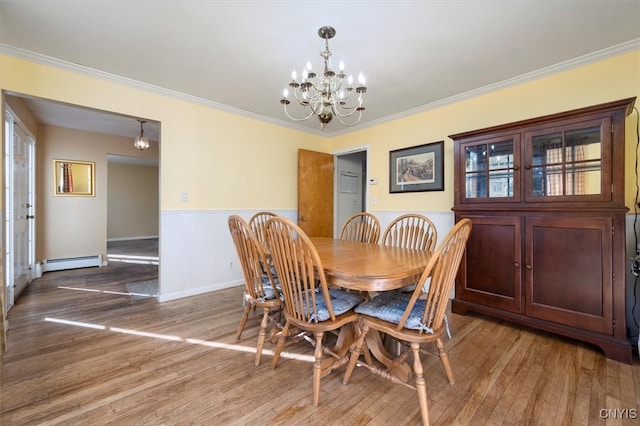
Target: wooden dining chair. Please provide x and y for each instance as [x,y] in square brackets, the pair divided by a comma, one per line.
[411,231]
[257,223]
[363,227]
[309,304]
[413,319]
[261,288]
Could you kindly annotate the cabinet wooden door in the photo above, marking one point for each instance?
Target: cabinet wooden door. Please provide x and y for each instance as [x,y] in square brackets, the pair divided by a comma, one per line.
[569,271]
[490,273]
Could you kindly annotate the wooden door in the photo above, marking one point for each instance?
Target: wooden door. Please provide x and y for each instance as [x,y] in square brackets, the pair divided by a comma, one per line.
[315,193]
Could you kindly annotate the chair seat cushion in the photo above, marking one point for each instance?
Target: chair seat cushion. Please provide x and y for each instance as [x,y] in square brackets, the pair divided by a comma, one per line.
[269,292]
[341,301]
[390,306]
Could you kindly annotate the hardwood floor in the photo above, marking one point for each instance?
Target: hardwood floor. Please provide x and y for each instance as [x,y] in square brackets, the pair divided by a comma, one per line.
[83,352]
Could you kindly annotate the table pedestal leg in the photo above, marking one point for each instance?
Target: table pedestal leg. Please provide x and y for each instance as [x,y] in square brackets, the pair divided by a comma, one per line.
[346,337]
[402,370]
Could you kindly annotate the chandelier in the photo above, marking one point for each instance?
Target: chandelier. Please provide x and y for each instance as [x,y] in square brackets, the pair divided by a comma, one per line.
[141,142]
[326,95]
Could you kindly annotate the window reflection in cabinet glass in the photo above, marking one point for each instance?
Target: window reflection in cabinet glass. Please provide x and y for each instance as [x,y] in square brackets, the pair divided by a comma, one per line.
[567,163]
[476,185]
[501,183]
[498,159]
[476,158]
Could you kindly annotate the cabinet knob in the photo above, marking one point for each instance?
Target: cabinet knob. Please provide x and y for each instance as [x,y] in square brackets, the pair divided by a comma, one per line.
[528,266]
[516,168]
[527,166]
[516,264]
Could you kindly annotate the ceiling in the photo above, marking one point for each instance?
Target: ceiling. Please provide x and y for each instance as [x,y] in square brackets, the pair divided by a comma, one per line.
[238,55]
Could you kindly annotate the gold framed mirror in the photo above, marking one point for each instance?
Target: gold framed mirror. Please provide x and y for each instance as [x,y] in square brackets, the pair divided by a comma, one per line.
[73,178]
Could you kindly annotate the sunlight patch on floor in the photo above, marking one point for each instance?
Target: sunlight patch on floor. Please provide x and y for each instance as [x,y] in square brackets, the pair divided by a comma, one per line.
[141,260]
[92,290]
[168,337]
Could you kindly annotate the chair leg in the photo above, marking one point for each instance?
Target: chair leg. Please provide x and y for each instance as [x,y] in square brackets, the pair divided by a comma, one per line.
[243,320]
[280,345]
[421,386]
[355,353]
[444,359]
[317,368]
[262,334]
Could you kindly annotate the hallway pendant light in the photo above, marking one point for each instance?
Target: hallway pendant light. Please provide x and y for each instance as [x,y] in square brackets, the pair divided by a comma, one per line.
[141,141]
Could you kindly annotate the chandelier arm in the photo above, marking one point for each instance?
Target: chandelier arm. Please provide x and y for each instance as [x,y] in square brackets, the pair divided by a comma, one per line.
[349,108]
[302,102]
[297,119]
[309,103]
[340,117]
[318,86]
[338,113]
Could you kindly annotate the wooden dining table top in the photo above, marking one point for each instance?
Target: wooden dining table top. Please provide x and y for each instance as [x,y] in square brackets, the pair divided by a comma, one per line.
[369,267]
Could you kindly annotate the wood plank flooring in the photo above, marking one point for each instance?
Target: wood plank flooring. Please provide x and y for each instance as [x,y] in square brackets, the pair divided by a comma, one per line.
[83,352]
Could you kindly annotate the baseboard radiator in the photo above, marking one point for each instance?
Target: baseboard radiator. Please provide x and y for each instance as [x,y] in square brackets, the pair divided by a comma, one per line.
[49,265]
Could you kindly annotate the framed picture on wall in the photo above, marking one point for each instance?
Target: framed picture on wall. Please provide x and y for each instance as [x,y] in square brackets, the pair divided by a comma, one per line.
[418,168]
[74,178]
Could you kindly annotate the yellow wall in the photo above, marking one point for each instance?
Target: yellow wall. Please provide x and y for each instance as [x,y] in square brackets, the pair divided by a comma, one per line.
[221,159]
[228,162]
[218,157]
[608,80]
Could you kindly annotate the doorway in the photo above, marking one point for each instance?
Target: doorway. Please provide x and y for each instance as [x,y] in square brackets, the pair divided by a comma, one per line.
[19,190]
[350,186]
[60,125]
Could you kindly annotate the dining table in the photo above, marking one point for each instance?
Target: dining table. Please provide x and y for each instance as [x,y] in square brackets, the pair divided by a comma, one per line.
[369,268]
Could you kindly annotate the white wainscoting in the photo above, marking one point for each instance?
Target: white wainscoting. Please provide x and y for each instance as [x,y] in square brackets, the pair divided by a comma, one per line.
[197,254]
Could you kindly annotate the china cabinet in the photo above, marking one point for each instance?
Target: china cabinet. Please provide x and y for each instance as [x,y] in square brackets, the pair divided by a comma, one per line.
[546,198]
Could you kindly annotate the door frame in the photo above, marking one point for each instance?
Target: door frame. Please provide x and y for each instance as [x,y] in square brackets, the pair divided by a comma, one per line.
[10,120]
[365,185]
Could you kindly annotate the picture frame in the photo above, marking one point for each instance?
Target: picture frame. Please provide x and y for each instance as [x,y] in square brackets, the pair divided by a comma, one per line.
[417,168]
[73,178]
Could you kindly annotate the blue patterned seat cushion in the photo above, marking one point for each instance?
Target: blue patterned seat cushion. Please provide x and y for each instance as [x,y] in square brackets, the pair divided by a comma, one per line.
[390,306]
[269,292]
[341,301]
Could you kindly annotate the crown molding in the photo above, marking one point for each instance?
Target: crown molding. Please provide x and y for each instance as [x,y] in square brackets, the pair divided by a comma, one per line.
[587,59]
[114,78]
[596,56]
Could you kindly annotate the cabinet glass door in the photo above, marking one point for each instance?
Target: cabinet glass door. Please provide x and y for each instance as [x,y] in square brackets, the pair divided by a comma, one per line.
[566,162]
[490,171]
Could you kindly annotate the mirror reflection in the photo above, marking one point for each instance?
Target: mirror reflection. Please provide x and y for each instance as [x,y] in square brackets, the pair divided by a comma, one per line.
[74,177]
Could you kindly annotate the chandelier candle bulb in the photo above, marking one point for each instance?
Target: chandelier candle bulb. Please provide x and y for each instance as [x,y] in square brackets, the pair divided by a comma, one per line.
[325,95]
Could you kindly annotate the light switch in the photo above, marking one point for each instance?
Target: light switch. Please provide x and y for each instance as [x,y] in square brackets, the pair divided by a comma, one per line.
[184,196]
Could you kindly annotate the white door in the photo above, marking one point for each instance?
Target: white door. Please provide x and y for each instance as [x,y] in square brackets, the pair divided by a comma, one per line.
[19,190]
[350,186]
